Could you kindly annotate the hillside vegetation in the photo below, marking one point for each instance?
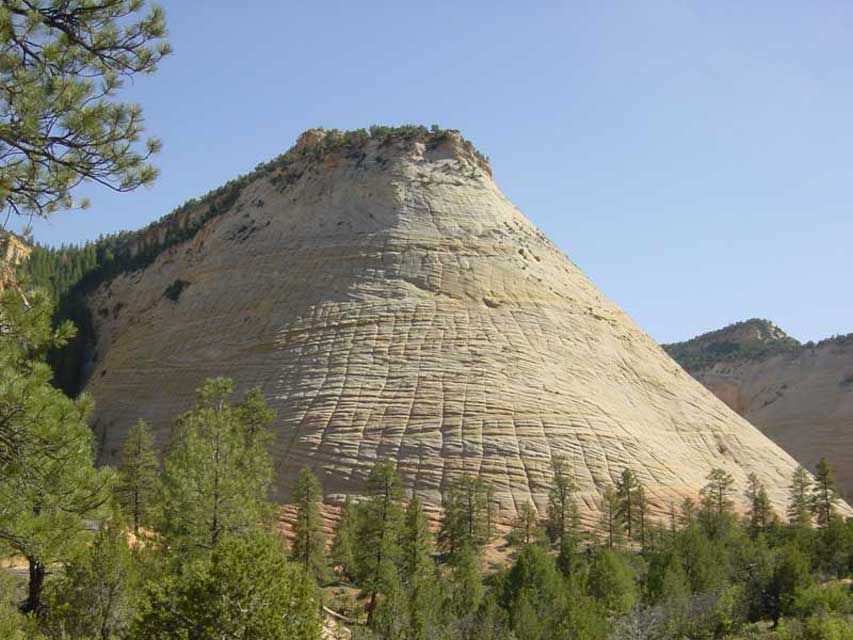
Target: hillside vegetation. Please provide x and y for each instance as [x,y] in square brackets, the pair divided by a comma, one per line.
[754,339]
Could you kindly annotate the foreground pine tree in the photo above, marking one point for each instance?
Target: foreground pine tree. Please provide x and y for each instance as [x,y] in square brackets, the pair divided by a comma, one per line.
[138,483]
[49,487]
[97,593]
[760,514]
[247,589]
[628,494]
[217,472]
[342,552]
[467,515]
[309,538]
[418,573]
[824,495]
[62,122]
[563,522]
[377,550]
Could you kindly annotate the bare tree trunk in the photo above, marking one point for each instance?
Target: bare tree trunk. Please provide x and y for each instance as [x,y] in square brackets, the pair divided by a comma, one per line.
[33,603]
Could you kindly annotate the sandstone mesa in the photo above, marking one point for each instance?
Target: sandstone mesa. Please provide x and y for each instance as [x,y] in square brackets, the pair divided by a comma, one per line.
[392,303]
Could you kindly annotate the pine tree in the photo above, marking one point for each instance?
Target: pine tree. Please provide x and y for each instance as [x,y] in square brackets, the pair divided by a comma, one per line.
[63,124]
[96,594]
[138,482]
[760,513]
[790,574]
[799,501]
[717,503]
[377,540]
[466,582]
[687,517]
[666,578]
[467,518]
[627,490]
[532,592]
[309,539]
[673,519]
[254,414]
[246,589]
[49,486]
[642,508]
[526,526]
[824,494]
[344,540]
[216,474]
[418,572]
[612,581]
[702,564]
[563,520]
[610,517]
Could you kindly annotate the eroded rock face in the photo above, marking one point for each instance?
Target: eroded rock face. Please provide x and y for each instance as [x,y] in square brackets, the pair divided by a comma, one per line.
[801,396]
[392,303]
[13,251]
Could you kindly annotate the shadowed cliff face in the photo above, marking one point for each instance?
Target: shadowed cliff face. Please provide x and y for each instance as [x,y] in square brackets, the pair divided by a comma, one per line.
[392,303]
[801,396]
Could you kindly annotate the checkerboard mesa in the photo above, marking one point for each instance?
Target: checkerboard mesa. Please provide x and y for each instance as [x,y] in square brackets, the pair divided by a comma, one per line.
[392,303]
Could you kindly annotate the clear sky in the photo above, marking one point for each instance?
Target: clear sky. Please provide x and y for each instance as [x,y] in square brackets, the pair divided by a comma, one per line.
[694,158]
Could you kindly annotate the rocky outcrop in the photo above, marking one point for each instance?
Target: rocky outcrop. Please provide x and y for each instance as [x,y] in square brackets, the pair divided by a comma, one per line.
[393,304]
[799,395]
[13,251]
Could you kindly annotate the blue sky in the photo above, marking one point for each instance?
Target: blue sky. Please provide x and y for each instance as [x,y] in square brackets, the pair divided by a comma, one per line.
[694,158]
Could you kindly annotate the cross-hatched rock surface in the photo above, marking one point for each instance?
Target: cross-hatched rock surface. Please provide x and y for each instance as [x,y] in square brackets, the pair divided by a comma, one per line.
[392,304]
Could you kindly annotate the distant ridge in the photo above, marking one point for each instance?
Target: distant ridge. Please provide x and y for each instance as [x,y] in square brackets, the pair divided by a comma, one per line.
[752,339]
[799,394]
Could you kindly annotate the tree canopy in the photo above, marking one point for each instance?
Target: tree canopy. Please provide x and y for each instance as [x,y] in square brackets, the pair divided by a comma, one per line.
[62,64]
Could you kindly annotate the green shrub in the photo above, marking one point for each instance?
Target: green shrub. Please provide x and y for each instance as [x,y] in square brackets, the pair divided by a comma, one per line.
[174,290]
[612,581]
[823,598]
[820,627]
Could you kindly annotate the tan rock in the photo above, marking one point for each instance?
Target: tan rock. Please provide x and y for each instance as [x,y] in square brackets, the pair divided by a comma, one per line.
[800,396]
[13,251]
[393,304]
